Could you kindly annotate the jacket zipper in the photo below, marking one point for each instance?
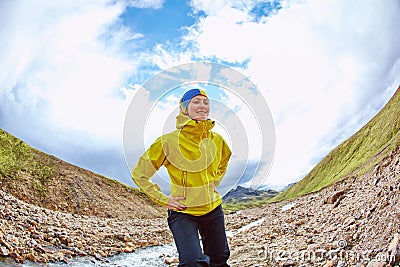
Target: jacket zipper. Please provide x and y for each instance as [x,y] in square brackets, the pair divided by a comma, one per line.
[204,134]
[184,180]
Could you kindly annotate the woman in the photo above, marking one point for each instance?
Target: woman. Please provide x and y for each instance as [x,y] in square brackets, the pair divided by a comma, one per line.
[196,159]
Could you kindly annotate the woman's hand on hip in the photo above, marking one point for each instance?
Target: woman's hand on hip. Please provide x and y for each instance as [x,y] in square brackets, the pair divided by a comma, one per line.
[174,204]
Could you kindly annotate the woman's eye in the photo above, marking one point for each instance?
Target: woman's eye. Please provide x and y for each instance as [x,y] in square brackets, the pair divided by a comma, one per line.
[198,102]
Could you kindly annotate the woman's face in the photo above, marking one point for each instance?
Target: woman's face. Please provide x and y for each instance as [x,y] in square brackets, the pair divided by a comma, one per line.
[199,108]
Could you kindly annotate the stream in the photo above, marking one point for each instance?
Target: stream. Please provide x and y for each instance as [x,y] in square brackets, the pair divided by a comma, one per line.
[145,257]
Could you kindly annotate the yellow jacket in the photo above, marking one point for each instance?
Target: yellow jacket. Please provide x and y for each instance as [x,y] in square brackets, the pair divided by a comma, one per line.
[196,159]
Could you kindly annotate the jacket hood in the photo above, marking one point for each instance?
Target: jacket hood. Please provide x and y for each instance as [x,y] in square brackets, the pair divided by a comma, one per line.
[186,124]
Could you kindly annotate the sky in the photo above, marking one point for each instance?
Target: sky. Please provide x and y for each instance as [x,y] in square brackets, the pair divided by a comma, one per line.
[69,71]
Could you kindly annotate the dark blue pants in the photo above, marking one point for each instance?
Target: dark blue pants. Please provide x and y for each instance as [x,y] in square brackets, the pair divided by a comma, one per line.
[186,228]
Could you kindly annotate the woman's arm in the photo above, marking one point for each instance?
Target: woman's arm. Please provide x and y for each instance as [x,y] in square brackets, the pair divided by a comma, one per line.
[148,164]
[223,165]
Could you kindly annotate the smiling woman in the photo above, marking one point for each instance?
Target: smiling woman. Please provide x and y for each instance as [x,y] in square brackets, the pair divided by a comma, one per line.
[196,159]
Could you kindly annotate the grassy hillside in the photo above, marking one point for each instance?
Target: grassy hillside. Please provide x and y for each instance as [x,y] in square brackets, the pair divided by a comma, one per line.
[236,205]
[46,181]
[17,157]
[357,154]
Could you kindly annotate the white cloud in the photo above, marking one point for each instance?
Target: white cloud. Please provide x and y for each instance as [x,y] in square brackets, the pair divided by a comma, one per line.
[54,55]
[317,63]
[63,78]
[155,4]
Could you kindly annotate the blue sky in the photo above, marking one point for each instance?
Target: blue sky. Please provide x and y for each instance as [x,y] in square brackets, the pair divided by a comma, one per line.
[70,69]
[159,25]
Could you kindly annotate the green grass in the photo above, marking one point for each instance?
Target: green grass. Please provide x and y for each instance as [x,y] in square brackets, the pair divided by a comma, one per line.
[356,155]
[17,161]
[235,205]
[16,156]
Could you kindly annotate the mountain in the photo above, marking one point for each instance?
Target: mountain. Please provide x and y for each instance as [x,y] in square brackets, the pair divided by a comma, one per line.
[354,222]
[52,211]
[46,181]
[244,194]
[355,156]
[287,187]
[345,212]
[241,198]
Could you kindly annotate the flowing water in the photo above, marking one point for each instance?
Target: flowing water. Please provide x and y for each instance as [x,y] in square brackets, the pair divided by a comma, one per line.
[146,257]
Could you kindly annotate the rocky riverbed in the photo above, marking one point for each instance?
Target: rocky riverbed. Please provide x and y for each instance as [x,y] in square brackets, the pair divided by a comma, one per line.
[355,222]
[29,233]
